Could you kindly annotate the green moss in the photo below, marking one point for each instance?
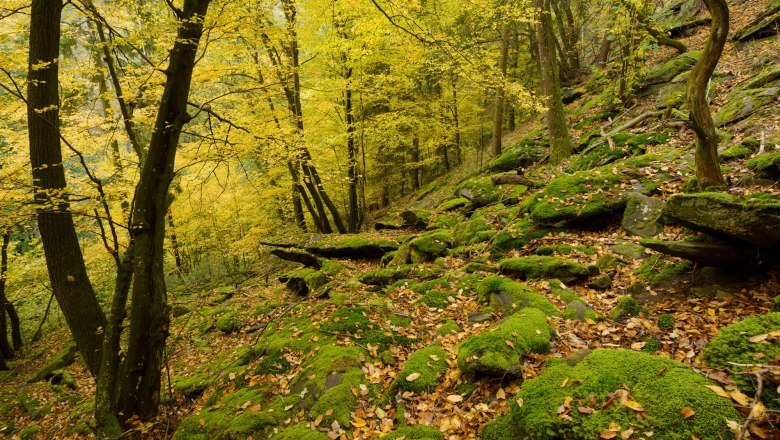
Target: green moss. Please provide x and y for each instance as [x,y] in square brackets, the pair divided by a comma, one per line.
[417,432]
[735,152]
[446,283]
[665,322]
[300,432]
[29,432]
[347,245]
[229,324]
[449,326]
[430,245]
[651,345]
[627,306]
[350,319]
[540,267]
[483,191]
[663,387]
[436,299]
[61,360]
[425,367]
[664,73]
[489,353]
[508,296]
[466,232]
[657,270]
[453,204]
[501,428]
[303,281]
[516,236]
[273,363]
[337,403]
[741,103]
[400,320]
[732,344]
[193,385]
[624,145]
[475,267]
[767,165]
[607,262]
[385,276]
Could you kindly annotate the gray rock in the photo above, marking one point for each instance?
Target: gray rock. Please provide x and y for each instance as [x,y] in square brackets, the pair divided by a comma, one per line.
[642,215]
[480,317]
[628,250]
[603,282]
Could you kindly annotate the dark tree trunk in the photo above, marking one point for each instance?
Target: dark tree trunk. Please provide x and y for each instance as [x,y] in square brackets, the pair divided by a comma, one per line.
[498,114]
[140,391]
[456,118]
[64,260]
[7,347]
[708,173]
[415,166]
[352,167]
[177,260]
[560,141]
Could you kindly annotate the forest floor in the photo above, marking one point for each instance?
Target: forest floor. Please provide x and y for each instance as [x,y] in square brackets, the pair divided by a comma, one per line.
[701,303]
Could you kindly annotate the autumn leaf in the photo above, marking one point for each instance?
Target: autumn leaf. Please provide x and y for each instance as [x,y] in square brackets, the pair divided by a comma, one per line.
[318,420]
[719,391]
[455,398]
[509,343]
[759,338]
[358,422]
[565,381]
[585,410]
[687,412]
[634,405]
[201,422]
[739,397]
[607,434]
[626,434]
[500,394]
[412,377]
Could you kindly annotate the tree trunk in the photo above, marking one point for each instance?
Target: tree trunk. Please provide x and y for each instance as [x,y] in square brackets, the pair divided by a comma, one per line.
[140,392]
[64,260]
[456,118]
[352,168]
[7,347]
[560,141]
[177,260]
[415,166]
[498,114]
[708,172]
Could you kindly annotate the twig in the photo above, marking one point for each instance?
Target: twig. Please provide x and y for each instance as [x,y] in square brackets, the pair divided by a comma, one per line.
[759,389]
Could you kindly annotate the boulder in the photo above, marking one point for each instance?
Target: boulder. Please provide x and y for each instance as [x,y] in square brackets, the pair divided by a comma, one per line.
[499,350]
[765,25]
[580,397]
[430,245]
[753,220]
[540,267]
[352,246]
[415,218]
[481,191]
[741,103]
[385,276]
[664,73]
[508,296]
[303,281]
[766,165]
[422,370]
[58,362]
[707,253]
[642,215]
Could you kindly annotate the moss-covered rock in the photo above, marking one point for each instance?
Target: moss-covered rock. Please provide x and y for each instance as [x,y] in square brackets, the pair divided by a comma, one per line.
[453,204]
[754,338]
[449,326]
[642,216]
[498,351]
[501,428]
[508,296]
[351,246]
[436,299]
[664,73]
[303,281]
[765,25]
[385,276]
[661,387]
[524,153]
[735,152]
[624,145]
[626,306]
[58,362]
[540,267]
[766,165]
[517,235]
[417,432]
[741,103]
[422,370]
[465,232]
[349,319]
[430,245]
[229,323]
[475,267]
[481,191]
[30,432]
[300,432]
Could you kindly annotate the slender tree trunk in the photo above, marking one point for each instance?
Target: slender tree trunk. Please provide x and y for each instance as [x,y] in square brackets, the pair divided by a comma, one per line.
[175,245]
[6,349]
[513,74]
[498,115]
[140,393]
[560,141]
[456,118]
[415,166]
[352,168]
[708,173]
[64,260]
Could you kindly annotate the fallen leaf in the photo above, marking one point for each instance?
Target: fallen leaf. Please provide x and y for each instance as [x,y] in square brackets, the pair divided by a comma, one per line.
[412,377]
[357,422]
[634,405]
[509,343]
[565,381]
[455,398]
[201,422]
[585,410]
[607,434]
[318,420]
[759,338]
[434,357]
[687,412]
[719,391]
[520,403]
[739,397]
[329,412]
[255,408]
[758,411]
[500,394]
[626,434]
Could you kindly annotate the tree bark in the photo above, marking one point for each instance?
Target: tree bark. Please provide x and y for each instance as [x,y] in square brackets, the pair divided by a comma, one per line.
[140,392]
[64,260]
[708,173]
[498,113]
[560,142]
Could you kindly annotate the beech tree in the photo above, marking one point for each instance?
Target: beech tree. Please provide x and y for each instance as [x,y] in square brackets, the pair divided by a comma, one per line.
[708,173]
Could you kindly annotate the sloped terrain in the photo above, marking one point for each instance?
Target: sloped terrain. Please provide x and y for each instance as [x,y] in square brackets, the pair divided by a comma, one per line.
[519,301]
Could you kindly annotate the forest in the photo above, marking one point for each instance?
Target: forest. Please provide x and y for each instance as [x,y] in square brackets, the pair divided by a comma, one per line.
[363,219]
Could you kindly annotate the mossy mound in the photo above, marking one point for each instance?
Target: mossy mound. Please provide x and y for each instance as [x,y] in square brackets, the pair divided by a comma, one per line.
[734,344]
[385,276]
[449,326]
[349,320]
[624,145]
[735,152]
[664,73]
[660,386]
[523,154]
[417,432]
[231,417]
[482,191]
[741,103]
[657,270]
[540,267]
[429,246]
[453,204]
[229,323]
[589,199]
[422,370]
[467,232]
[501,428]
[300,432]
[303,281]
[436,299]
[508,296]
[766,165]
[627,306]
[58,362]
[498,351]
[351,246]
[517,235]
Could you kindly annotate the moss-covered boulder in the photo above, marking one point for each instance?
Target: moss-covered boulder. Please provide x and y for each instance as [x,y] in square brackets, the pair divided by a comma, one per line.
[709,252]
[742,103]
[415,218]
[766,165]
[482,191]
[656,269]
[540,267]
[524,153]
[753,220]
[581,398]
[58,362]
[747,342]
[430,245]
[417,432]
[626,307]
[664,73]
[385,276]
[351,246]
[517,235]
[303,281]
[764,25]
[453,204]
[422,370]
[623,145]
[508,296]
[499,350]
[300,432]
[466,232]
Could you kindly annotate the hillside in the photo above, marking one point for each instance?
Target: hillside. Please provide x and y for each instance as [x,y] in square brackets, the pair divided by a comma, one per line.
[512,300]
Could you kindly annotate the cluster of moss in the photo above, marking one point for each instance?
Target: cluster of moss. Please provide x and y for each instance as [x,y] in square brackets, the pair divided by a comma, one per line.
[624,145]
[453,204]
[468,232]
[300,432]
[430,245]
[732,344]
[563,249]
[517,235]
[627,306]
[417,432]
[484,191]
[657,270]
[767,165]
[540,267]
[385,276]
[661,386]
[449,326]
[424,367]
[509,296]
[498,351]
[436,299]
